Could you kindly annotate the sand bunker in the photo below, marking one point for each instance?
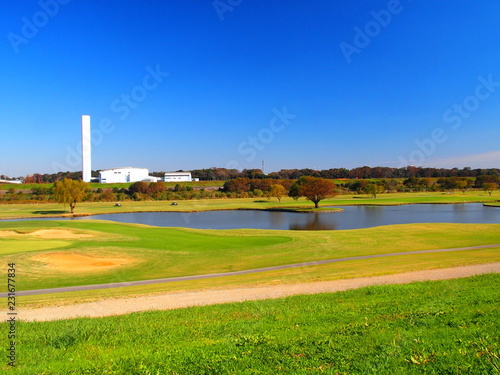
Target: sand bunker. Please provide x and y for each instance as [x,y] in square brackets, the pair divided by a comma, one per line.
[46,234]
[59,234]
[8,233]
[72,262]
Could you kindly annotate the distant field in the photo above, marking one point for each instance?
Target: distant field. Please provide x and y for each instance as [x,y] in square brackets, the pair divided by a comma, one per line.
[34,210]
[440,327]
[218,183]
[68,253]
[126,185]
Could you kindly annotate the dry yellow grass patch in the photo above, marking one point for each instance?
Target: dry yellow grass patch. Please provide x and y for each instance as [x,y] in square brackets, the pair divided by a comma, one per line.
[71,262]
[46,234]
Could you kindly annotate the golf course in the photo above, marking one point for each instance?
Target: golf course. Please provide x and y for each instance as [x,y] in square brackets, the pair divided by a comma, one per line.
[424,327]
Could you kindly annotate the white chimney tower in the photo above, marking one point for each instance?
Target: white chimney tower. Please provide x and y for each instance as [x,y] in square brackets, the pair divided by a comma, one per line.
[86,166]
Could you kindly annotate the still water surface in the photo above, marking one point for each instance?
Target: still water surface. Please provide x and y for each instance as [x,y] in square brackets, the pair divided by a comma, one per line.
[351,218]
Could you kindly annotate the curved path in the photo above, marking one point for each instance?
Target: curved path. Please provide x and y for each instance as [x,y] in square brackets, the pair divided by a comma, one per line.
[174,300]
[234,273]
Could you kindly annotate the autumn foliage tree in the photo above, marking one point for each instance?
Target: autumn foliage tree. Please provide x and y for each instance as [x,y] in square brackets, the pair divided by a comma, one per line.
[70,192]
[314,189]
[138,187]
[240,184]
[156,188]
[277,191]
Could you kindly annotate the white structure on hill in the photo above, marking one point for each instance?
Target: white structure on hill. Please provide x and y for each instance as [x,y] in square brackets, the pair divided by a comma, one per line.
[127,174]
[177,177]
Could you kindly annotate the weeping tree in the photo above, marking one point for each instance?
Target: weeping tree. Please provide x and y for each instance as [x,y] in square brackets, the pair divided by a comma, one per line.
[70,192]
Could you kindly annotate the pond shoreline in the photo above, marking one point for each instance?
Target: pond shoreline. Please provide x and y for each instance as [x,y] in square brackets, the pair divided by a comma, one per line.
[293,209]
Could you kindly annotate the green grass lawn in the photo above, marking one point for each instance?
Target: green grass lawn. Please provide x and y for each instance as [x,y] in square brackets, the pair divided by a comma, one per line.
[440,327]
[34,210]
[146,252]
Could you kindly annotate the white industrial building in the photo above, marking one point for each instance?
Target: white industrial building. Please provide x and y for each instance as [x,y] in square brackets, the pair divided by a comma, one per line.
[177,177]
[11,182]
[126,174]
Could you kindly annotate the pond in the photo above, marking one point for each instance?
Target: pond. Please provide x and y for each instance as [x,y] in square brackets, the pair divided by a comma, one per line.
[352,217]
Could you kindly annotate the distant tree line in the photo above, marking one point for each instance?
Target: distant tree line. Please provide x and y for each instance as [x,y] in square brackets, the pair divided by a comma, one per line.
[343,173]
[137,191]
[411,184]
[38,178]
[222,174]
[244,187]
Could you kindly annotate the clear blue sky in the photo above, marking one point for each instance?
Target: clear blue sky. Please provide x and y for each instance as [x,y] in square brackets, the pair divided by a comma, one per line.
[421,85]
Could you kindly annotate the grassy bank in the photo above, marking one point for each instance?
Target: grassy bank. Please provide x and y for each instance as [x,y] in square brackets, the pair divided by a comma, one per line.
[441,327]
[494,204]
[93,208]
[95,252]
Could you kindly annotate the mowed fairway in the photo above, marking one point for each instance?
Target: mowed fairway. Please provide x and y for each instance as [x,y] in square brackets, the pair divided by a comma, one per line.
[64,253]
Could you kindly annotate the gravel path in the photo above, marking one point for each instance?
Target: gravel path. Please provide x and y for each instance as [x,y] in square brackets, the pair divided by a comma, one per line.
[187,299]
[234,273]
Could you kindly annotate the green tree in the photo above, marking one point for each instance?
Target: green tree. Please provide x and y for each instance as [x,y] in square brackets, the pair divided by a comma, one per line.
[373,189]
[294,191]
[489,187]
[463,185]
[70,192]
[277,191]
[358,186]
[482,179]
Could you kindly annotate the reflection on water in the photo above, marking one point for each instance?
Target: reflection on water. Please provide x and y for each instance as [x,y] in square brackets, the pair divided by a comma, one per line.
[351,218]
[372,215]
[314,221]
[278,220]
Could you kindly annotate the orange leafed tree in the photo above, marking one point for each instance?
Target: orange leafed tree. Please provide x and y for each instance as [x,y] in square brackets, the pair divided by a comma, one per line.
[315,189]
